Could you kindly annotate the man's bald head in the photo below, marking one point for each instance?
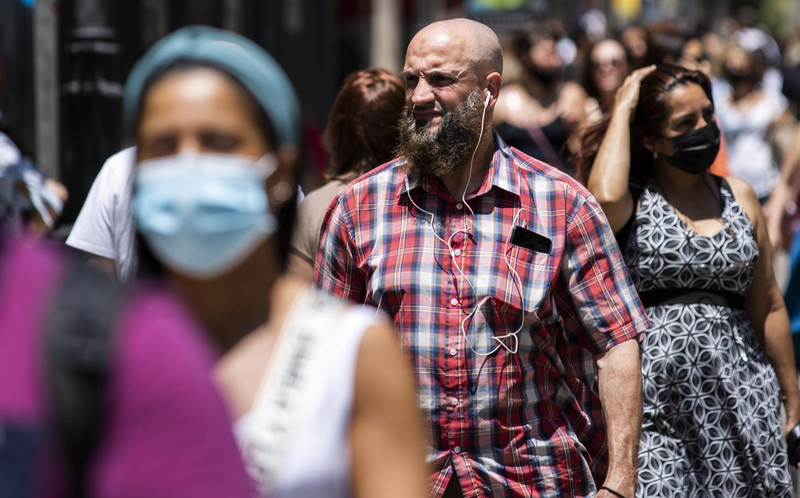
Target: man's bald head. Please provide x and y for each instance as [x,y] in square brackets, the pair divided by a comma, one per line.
[470,39]
[453,74]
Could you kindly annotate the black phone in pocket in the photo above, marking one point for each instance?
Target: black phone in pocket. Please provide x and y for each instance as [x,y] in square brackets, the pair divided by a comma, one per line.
[523,237]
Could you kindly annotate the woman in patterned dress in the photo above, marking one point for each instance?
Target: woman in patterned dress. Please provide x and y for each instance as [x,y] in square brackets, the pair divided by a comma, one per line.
[718,359]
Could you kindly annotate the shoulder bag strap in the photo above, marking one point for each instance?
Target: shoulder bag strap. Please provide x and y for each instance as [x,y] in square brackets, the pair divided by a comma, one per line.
[79,344]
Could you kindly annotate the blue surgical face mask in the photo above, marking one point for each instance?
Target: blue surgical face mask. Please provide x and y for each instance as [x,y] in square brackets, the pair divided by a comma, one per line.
[203,214]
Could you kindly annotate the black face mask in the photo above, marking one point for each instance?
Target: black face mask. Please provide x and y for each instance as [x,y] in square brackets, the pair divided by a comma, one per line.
[694,152]
[735,77]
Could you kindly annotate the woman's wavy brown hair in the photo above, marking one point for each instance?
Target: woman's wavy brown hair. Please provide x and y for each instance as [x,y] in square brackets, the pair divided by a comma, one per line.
[362,126]
[647,121]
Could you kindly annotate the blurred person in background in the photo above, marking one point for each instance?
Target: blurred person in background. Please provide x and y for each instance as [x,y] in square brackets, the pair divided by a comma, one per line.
[693,56]
[592,20]
[783,221]
[752,120]
[322,402]
[791,87]
[717,361]
[636,41]
[29,201]
[541,112]
[104,228]
[362,133]
[666,44]
[608,67]
[791,71]
[565,46]
[783,209]
[752,35]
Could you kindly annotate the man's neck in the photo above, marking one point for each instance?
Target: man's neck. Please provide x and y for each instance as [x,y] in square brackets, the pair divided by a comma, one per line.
[460,182]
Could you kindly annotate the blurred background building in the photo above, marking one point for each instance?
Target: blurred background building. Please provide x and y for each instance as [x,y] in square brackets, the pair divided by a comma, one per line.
[63,63]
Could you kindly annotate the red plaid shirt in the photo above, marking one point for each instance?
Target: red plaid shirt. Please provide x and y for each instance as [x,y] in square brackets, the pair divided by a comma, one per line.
[525,424]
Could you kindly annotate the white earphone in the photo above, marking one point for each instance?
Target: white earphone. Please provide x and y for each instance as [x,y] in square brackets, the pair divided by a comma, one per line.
[517,283]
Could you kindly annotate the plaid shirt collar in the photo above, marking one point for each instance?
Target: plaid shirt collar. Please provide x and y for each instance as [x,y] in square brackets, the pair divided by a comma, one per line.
[500,174]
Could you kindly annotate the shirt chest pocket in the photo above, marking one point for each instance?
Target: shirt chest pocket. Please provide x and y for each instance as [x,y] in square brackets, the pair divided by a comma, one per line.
[521,281]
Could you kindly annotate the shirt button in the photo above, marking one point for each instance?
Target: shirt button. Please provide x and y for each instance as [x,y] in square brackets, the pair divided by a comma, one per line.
[453,351]
[457,252]
[454,302]
[459,206]
[457,449]
[453,401]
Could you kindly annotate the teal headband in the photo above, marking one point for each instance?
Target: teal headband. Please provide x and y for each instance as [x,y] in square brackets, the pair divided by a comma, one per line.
[237,56]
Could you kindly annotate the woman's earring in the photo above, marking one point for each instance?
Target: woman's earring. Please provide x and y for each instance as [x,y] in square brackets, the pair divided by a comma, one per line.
[655,155]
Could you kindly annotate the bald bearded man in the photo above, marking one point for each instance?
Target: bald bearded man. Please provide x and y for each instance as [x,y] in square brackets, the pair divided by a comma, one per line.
[506,287]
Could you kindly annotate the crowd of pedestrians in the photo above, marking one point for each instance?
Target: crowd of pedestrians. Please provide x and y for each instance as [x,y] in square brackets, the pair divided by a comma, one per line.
[539,266]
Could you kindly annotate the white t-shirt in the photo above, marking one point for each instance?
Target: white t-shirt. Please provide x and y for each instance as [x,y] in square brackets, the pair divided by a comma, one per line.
[105,224]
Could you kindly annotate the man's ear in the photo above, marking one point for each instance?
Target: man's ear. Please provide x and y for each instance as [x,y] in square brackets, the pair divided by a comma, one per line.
[493,84]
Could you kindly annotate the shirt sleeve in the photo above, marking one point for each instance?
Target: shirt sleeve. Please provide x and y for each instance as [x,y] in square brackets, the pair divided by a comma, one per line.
[596,283]
[336,270]
[93,229]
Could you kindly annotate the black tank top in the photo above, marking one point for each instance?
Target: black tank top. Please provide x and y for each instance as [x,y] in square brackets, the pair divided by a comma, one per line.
[556,132]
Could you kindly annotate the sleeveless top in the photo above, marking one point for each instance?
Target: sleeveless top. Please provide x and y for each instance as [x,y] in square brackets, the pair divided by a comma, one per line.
[556,133]
[295,440]
[662,253]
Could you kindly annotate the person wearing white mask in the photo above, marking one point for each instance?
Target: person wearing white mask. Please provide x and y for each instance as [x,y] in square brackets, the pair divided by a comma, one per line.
[321,410]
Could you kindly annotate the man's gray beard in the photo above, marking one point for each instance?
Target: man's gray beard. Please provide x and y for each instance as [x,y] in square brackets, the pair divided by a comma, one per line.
[451,145]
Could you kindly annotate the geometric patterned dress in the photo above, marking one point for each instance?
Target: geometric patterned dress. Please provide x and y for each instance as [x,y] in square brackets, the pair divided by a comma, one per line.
[711,425]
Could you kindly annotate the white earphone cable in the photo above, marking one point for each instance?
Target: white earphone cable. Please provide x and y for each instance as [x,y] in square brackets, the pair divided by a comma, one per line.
[517,283]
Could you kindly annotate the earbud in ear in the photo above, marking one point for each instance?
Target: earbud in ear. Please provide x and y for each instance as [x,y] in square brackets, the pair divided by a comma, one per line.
[488,96]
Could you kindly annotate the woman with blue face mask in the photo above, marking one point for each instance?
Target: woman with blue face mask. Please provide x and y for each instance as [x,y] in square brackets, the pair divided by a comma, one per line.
[322,401]
[717,361]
